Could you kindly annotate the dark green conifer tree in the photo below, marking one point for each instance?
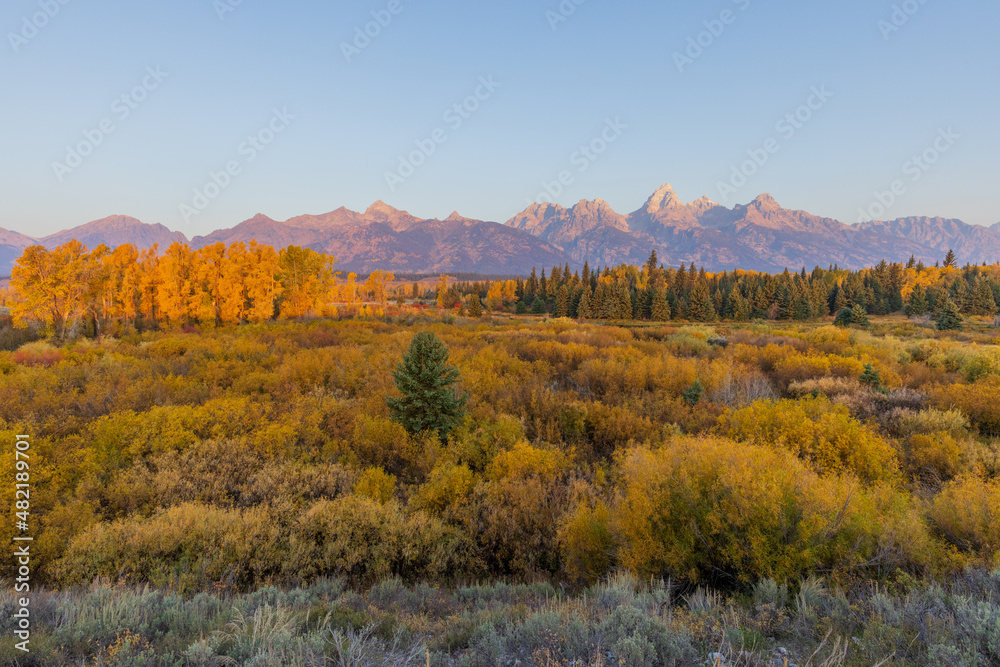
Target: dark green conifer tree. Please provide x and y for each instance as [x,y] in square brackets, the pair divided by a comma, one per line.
[430,400]
[950,319]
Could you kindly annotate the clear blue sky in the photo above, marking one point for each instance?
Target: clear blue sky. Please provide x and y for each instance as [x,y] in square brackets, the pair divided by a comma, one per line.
[892,93]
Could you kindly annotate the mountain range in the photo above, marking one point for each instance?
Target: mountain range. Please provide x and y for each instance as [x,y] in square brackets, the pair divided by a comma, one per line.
[759,236]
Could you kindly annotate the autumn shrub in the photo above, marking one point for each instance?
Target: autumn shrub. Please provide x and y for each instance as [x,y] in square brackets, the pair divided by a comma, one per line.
[383,443]
[376,484]
[984,363]
[738,386]
[477,442]
[980,402]
[515,513]
[39,353]
[366,540]
[819,432]
[12,337]
[524,461]
[447,487]
[906,423]
[938,455]
[183,548]
[221,473]
[587,542]
[871,404]
[709,509]
[616,377]
[967,514]
[829,338]
[831,387]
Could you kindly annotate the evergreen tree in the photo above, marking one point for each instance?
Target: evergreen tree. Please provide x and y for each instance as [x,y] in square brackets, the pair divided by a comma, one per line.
[652,262]
[739,306]
[562,302]
[949,319]
[871,378]
[949,259]
[983,302]
[692,395]
[917,304]
[597,302]
[700,307]
[839,299]
[961,294]
[430,401]
[538,307]
[583,311]
[660,311]
[859,316]
[475,306]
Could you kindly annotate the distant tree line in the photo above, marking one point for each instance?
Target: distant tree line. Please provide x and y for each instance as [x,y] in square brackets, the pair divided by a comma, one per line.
[71,288]
[657,293]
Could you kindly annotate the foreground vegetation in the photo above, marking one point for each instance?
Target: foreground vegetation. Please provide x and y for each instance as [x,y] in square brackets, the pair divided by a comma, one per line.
[622,621]
[732,458]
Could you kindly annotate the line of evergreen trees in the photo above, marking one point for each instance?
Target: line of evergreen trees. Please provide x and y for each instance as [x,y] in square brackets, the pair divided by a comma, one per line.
[657,293]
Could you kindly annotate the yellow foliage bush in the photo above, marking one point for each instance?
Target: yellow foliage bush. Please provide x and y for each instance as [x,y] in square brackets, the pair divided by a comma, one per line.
[376,484]
[697,508]
[187,547]
[526,461]
[967,513]
[980,402]
[367,541]
[819,432]
[937,454]
[446,487]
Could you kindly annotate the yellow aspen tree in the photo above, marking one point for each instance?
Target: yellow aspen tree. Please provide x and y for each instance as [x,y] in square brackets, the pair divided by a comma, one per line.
[176,295]
[96,296]
[377,286]
[51,286]
[123,268]
[150,284]
[210,269]
[306,276]
[263,286]
[233,283]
